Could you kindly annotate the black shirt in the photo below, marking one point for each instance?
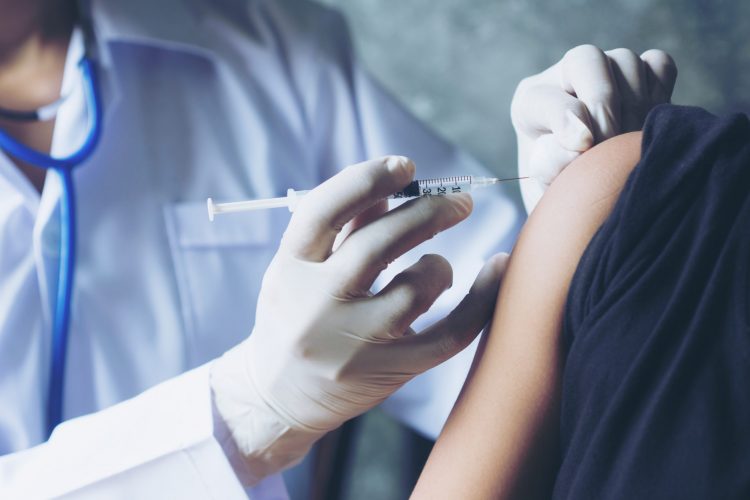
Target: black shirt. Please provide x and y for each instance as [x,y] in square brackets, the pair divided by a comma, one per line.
[656,385]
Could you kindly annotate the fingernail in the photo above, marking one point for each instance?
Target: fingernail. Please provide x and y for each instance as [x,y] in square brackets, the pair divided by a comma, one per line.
[396,164]
[498,263]
[501,260]
[578,136]
[491,273]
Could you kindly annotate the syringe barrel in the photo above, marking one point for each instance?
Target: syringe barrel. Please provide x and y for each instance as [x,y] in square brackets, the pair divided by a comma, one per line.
[438,186]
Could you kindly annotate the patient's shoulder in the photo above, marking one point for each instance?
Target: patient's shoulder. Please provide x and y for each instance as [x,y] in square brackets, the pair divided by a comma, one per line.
[573,208]
[597,175]
[504,425]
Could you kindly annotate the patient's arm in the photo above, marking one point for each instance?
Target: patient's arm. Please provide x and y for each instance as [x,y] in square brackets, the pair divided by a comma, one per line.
[501,438]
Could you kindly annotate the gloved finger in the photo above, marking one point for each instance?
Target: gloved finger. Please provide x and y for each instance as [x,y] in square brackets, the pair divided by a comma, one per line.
[630,74]
[546,159]
[418,353]
[368,251]
[322,213]
[409,295]
[538,109]
[531,192]
[661,73]
[585,72]
[369,215]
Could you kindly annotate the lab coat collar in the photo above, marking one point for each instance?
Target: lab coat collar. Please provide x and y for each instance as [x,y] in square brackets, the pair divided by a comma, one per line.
[166,23]
[177,25]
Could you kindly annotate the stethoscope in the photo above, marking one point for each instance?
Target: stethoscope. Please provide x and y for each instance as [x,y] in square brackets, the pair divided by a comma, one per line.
[63,167]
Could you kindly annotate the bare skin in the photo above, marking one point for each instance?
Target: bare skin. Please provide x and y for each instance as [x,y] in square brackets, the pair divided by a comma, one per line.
[500,440]
[34,38]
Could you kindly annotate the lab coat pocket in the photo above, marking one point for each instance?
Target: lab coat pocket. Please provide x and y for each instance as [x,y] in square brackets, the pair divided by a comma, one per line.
[218,267]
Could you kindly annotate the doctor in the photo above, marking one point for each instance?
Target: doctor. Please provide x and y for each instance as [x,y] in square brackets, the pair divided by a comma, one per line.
[238,99]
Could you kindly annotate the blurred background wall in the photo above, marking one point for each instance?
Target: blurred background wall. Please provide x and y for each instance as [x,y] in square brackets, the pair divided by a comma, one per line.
[455,64]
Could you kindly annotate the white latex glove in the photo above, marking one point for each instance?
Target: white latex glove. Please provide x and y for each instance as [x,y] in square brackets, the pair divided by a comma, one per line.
[324,349]
[587,97]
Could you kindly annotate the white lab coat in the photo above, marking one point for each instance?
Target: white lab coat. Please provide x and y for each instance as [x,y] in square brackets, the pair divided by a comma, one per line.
[231,99]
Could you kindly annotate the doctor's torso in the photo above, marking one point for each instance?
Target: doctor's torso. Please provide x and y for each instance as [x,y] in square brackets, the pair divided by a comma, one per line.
[233,100]
[158,288]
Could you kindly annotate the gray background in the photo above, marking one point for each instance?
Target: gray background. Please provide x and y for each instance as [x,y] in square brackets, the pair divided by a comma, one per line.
[458,62]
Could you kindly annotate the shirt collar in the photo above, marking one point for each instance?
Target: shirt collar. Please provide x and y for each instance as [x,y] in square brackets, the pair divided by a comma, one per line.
[168,24]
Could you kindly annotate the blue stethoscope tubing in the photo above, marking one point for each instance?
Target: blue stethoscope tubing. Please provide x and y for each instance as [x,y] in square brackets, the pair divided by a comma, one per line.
[63,167]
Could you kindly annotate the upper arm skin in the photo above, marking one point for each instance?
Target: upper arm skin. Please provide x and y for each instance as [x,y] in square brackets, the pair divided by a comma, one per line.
[501,438]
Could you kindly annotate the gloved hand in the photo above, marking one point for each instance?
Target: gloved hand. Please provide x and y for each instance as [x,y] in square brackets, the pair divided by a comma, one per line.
[324,349]
[587,97]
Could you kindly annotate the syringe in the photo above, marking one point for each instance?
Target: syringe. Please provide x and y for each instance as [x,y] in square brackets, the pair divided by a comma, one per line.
[423,187]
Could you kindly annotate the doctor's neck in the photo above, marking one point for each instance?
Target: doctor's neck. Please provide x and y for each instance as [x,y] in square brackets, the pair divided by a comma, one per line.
[34,38]
[30,27]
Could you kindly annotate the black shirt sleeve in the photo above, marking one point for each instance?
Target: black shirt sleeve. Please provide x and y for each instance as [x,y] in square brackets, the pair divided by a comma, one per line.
[656,385]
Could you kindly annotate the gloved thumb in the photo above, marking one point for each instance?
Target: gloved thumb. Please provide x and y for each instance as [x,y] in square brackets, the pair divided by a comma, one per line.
[547,160]
[450,335]
[574,132]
